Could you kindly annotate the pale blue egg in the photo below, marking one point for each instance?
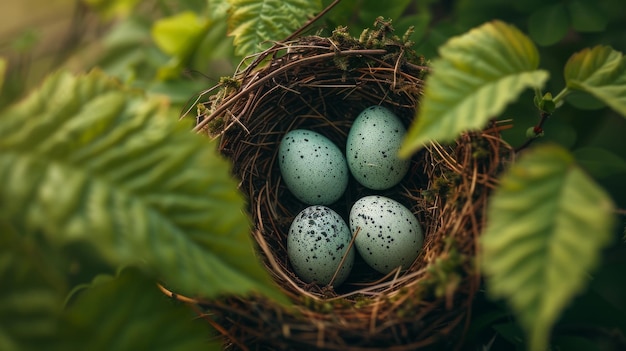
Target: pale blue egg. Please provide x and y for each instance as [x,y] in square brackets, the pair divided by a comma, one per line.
[372,149]
[389,235]
[313,167]
[317,241]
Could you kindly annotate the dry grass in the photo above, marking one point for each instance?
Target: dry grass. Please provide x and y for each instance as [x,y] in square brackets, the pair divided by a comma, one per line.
[322,84]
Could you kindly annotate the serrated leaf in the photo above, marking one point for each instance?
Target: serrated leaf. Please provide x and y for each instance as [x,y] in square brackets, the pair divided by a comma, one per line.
[129,313]
[31,297]
[477,75]
[601,72]
[86,160]
[218,9]
[255,22]
[547,223]
[548,24]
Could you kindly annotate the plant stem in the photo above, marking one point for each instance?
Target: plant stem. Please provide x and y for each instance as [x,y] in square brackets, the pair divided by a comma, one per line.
[558,99]
[538,94]
[537,129]
[543,116]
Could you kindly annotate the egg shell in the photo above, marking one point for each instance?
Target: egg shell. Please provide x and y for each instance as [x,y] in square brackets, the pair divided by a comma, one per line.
[313,167]
[317,241]
[390,235]
[372,148]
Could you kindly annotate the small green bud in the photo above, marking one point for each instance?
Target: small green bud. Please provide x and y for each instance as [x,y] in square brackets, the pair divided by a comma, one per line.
[548,104]
[534,132]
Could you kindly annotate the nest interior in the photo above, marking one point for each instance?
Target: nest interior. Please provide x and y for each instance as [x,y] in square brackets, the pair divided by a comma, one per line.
[322,84]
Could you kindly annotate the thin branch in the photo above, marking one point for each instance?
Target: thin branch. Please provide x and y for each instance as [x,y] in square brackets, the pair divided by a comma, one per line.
[538,129]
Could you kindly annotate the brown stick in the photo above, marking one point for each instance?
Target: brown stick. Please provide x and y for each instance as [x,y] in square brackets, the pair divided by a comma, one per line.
[278,71]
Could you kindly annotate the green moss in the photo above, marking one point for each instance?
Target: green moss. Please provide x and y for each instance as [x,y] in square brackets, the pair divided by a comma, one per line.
[444,274]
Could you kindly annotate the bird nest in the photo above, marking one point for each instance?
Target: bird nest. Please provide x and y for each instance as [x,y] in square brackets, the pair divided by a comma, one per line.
[321,84]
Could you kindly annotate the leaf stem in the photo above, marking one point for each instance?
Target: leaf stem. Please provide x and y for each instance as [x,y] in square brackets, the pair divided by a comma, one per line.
[543,114]
[558,99]
[538,93]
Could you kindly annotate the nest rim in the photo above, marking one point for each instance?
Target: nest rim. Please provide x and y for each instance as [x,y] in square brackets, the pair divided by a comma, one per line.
[308,323]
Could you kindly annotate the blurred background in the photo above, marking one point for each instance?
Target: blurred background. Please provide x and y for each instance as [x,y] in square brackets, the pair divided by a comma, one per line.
[181,48]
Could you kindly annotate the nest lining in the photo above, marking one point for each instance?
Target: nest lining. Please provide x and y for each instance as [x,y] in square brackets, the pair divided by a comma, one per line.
[322,84]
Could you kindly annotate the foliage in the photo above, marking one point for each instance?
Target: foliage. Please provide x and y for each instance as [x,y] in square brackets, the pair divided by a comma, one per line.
[548,221]
[549,23]
[476,76]
[536,249]
[601,72]
[135,185]
[178,36]
[90,323]
[254,22]
[118,154]
[106,314]
[137,189]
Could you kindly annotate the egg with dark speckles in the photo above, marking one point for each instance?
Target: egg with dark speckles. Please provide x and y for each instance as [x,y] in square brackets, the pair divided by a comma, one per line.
[389,235]
[317,241]
[372,148]
[313,167]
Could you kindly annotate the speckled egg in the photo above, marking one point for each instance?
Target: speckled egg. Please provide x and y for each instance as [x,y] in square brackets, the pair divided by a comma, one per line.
[317,241]
[390,235]
[372,148]
[313,167]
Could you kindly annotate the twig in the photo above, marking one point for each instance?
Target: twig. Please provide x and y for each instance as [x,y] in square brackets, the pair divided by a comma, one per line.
[278,71]
[538,129]
[343,259]
[176,296]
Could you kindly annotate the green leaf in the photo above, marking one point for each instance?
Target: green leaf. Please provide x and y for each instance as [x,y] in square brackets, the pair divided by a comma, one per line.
[129,313]
[548,222]
[600,162]
[254,23]
[601,72]
[548,24]
[112,313]
[478,74]
[86,160]
[586,16]
[584,101]
[218,9]
[32,293]
[178,34]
